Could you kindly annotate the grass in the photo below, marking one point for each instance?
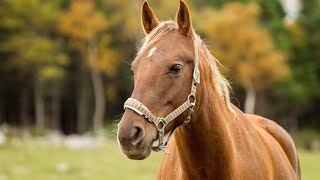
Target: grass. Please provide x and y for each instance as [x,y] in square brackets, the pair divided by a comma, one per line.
[38,161]
[309,164]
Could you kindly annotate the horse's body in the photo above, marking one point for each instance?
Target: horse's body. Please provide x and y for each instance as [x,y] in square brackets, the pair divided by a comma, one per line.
[220,142]
[249,147]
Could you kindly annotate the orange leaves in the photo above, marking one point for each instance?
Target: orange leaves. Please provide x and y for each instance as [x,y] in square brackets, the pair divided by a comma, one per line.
[109,58]
[82,21]
[249,12]
[243,46]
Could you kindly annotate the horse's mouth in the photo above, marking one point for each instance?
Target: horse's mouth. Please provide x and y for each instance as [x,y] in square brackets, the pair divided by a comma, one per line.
[141,154]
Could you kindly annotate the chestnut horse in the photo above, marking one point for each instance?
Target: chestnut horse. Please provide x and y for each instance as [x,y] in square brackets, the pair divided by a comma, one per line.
[178,88]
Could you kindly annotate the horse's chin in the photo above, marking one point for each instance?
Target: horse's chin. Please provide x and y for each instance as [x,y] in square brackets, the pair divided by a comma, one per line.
[138,153]
[140,156]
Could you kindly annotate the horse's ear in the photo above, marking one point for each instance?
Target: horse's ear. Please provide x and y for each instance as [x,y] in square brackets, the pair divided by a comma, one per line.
[183,18]
[148,18]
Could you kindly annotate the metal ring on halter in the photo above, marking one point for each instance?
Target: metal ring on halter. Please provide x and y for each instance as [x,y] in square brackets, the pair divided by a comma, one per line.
[192,99]
[160,123]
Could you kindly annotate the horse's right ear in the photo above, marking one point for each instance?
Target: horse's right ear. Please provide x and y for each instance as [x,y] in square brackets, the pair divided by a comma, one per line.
[183,18]
[148,18]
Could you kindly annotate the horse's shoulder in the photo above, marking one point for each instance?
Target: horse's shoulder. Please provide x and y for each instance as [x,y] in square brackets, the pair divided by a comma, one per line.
[271,127]
[279,134]
[275,130]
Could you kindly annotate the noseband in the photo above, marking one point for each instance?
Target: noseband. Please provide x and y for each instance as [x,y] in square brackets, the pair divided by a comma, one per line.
[160,122]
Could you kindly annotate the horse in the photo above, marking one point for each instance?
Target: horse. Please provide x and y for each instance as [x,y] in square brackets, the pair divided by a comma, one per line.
[180,95]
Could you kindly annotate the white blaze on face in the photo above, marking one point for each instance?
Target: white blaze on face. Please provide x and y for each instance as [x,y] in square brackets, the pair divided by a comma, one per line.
[151,51]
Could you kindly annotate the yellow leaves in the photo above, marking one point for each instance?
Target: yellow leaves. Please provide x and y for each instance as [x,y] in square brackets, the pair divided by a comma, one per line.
[124,17]
[109,62]
[61,59]
[32,14]
[296,33]
[248,12]
[82,22]
[34,51]
[243,46]
[10,23]
[107,58]
[111,93]
[30,42]
[50,73]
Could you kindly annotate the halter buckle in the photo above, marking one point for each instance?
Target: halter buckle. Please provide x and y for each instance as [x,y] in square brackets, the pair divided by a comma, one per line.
[196,75]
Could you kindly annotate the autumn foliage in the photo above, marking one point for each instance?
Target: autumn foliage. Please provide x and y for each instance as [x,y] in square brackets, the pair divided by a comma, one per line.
[244,46]
[62,60]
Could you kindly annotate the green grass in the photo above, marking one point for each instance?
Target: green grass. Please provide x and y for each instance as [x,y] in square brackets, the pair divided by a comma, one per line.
[40,162]
[36,161]
[310,165]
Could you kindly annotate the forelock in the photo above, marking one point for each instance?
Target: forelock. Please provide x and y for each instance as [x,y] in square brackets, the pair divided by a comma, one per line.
[158,32]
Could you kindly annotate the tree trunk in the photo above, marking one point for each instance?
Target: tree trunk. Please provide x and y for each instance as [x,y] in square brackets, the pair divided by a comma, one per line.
[250,100]
[83,102]
[24,102]
[1,112]
[55,109]
[98,88]
[39,106]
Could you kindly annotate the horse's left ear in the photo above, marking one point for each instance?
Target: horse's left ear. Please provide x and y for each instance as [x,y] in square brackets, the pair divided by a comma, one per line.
[183,18]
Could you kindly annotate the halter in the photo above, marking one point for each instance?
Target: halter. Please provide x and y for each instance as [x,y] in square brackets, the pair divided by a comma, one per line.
[160,122]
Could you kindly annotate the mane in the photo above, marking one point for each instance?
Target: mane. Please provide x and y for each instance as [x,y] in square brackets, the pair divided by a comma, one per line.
[219,81]
[221,84]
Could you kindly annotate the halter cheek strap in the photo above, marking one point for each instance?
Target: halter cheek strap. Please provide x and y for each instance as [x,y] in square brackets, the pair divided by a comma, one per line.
[160,122]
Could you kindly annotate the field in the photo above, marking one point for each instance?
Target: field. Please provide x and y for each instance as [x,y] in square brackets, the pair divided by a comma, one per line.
[38,161]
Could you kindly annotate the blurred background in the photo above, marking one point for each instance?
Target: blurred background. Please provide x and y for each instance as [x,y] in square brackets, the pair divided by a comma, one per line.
[65,74]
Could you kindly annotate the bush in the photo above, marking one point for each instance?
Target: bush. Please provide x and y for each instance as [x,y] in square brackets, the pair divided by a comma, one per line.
[308,139]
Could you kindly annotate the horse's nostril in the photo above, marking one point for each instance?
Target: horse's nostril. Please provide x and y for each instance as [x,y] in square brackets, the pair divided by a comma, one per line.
[129,136]
[138,135]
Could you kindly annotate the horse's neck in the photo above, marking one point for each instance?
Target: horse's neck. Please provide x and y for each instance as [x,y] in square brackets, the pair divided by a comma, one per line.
[205,145]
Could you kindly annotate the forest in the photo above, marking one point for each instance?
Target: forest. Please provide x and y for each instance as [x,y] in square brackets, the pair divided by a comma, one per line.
[65,65]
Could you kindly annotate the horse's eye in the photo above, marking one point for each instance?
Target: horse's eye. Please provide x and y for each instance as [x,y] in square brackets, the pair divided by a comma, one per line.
[175,69]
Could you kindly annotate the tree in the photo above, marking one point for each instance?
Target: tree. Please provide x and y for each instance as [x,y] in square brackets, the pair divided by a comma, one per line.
[247,50]
[84,25]
[32,48]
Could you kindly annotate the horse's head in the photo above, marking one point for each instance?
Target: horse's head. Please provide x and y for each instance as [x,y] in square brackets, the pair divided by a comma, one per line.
[163,77]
